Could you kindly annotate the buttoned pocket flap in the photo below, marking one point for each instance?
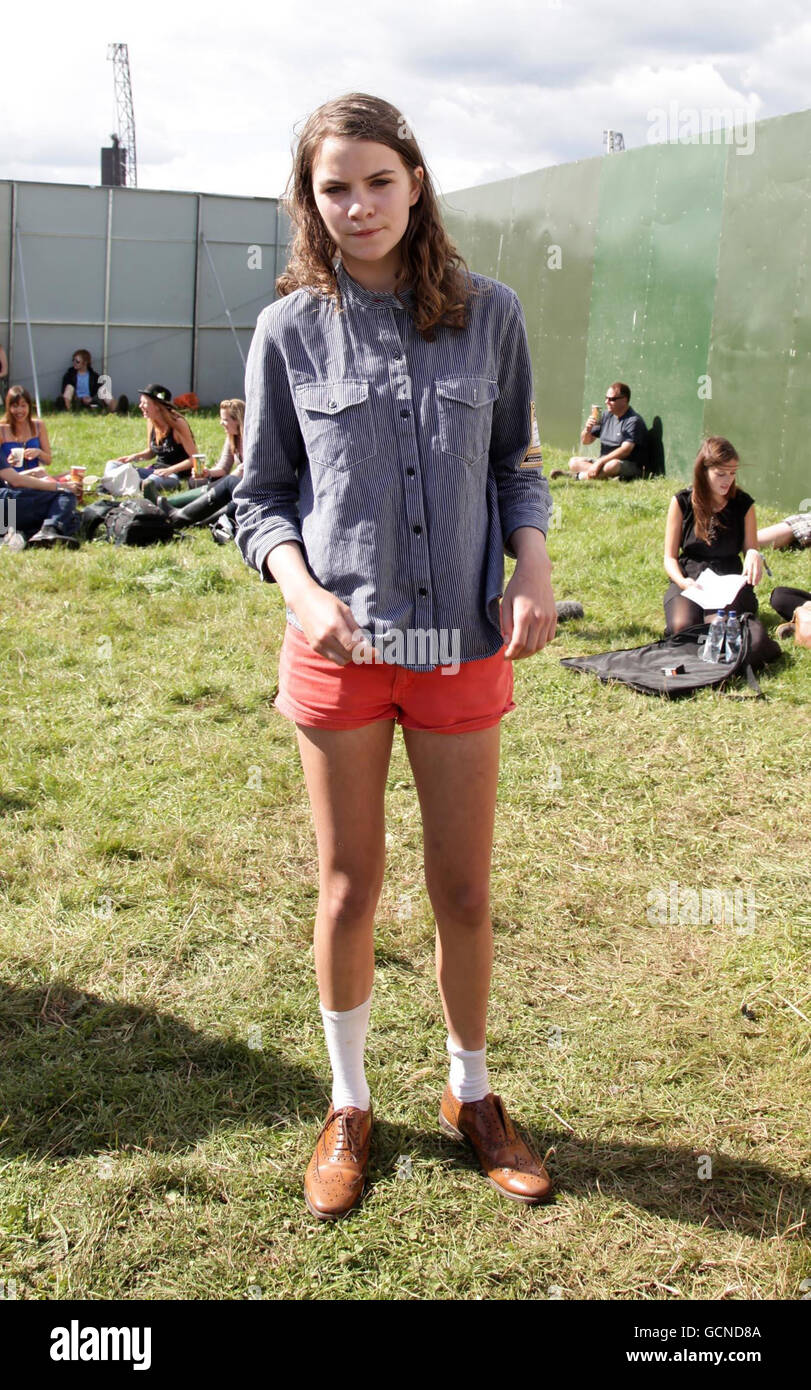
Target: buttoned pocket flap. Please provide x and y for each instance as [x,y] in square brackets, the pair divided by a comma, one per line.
[470,390]
[331,397]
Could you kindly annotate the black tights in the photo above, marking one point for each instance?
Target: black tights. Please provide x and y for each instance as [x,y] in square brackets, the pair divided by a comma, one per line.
[784,601]
[680,612]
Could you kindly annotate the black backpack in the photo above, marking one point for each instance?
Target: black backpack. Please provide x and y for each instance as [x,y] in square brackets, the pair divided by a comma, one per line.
[91,518]
[135,521]
[644,668]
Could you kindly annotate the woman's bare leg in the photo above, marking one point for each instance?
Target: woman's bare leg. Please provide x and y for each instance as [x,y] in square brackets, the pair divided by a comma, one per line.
[345,771]
[457,777]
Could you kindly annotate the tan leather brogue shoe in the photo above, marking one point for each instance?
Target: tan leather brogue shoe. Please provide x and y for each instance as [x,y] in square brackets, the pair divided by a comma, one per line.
[506,1159]
[336,1173]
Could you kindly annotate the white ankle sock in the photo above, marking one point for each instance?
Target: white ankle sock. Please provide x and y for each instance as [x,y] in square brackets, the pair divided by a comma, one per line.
[346,1037]
[468,1076]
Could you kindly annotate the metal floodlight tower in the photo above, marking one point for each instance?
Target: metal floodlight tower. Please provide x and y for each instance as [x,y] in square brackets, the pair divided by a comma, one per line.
[118,55]
[613,141]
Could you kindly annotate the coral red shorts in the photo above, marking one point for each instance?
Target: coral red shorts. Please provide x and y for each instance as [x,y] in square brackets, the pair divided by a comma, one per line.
[316,692]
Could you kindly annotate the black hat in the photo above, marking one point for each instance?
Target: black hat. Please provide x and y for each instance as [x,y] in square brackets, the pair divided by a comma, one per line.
[162,394]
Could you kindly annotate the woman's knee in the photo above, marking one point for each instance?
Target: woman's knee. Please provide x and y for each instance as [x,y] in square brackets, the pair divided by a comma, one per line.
[746,600]
[347,901]
[678,616]
[464,904]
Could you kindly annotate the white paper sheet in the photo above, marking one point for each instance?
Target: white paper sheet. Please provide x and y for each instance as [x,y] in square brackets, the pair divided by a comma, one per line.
[713,590]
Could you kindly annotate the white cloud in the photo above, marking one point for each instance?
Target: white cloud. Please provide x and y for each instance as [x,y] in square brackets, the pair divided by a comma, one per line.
[492,90]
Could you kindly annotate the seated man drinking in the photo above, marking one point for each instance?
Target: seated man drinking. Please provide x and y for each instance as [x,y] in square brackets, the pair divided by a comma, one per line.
[621,434]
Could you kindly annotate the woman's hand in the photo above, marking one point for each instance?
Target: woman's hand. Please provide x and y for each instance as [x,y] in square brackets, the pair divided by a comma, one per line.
[328,624]
[528,614]
[32,453]
[753,567]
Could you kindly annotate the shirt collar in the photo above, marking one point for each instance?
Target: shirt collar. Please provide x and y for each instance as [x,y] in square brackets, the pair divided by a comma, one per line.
[353,293]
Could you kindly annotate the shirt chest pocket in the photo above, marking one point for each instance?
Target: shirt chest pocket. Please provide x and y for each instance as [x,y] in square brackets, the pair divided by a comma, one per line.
[336,421]
[465,407]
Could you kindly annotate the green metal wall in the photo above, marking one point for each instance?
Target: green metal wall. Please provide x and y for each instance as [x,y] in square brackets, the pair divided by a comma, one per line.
[681,269]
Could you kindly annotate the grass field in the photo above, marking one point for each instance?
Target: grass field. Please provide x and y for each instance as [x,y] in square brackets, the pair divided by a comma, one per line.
[162,1067]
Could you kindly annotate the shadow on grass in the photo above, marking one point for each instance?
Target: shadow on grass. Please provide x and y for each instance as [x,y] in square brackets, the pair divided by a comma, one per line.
[80,1075]
[751,1199]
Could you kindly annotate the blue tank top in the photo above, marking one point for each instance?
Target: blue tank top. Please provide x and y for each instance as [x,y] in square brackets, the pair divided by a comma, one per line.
[11,444]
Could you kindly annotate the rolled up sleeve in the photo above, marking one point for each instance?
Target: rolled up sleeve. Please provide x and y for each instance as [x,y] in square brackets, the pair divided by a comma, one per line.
[267,495]
[523,493]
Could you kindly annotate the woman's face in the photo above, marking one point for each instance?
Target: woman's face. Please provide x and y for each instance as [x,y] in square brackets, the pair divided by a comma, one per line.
[229,423]
[18,411]
[147,407]
[721,477]
[364,193]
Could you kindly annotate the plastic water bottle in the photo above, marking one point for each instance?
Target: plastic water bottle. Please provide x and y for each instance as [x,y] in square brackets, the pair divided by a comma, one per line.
[732,643]
[714,645]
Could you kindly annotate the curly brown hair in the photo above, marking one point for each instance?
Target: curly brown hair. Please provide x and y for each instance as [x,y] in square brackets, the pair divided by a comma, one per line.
[431,264]
[715,451]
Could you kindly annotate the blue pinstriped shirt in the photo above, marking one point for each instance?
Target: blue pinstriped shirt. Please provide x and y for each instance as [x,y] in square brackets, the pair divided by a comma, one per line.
[394,462]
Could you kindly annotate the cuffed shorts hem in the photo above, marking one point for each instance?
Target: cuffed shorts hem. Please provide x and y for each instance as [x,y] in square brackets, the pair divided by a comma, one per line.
[800,529]
[309,720]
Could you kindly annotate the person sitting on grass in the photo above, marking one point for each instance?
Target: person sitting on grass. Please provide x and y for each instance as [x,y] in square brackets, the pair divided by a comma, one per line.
[168,439]
[784,601]
[24,442]
[80,387]
[203,504]
[35,508]
[793,532]
[709,526]
[621,433]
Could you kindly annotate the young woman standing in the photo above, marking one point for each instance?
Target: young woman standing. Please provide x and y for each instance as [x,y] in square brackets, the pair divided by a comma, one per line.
[388,411]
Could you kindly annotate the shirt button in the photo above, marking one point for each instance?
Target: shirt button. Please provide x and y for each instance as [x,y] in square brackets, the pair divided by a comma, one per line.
[405,414]
[422,592]
[417,530]
[333,405]
[410,472]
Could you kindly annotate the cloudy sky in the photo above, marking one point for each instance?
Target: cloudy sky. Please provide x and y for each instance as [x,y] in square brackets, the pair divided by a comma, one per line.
[490,89]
